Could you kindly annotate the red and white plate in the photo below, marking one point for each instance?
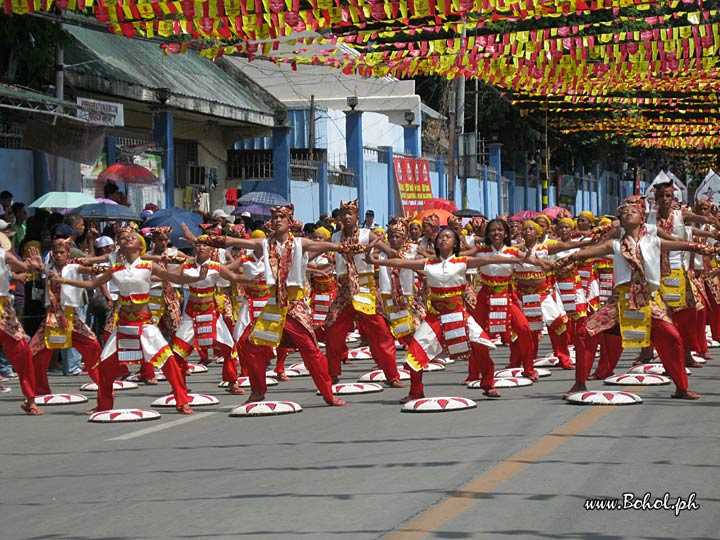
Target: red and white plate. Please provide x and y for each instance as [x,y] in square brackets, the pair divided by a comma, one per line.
[653,369]
[712,343]
[699,359]
[438,404]
[136,377]
[290,372]
[547,361]
[196,368]
[117,385]
[379,376]
[604,398]
[505,382]
[518,372]
[345,389]
[244,382]
[360,353]
[266,408]
[352,336]
[300,366]
[645,379]
[196,400]
[446,360]
[124,415]
[60,399]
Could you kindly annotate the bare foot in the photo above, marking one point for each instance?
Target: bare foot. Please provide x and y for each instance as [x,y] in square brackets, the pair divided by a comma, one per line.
[347,361]
[336,402]
[235,390]
[254,398]
[184,409]
[491,393]
[91,411]
[575,388]
[149,381]
[31,409]
[282,377]
[409,398]
[395,384]
[335,380]
[685,394]
[534,377]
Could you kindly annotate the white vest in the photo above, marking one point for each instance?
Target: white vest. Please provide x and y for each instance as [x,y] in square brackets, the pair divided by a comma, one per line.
[360,265]
[446,272]
[650,249]
[4,275]
[69,296]
[407,276]
[298,266]
[680,231]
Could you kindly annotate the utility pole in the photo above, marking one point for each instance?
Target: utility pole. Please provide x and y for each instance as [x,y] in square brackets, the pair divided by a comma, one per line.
[545,164]
[451,141]
[60,95]
[311,128]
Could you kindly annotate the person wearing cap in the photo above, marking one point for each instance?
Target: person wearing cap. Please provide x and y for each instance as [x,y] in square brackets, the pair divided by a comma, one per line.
[102,301]
[12,336]
[63,326]
[369,222]
[358,299]
[285,318]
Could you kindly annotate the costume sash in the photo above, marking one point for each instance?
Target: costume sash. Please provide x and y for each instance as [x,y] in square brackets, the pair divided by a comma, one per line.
[532,297]
[673,288]
[567,285]
[499,321]
[268,328]
[59,329]
[401,322]
[204,316]
[156,304]
[634,324]
[129,348]
[364,301]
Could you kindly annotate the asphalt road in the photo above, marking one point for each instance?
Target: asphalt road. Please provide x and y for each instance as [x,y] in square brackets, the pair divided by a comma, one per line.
[519,467]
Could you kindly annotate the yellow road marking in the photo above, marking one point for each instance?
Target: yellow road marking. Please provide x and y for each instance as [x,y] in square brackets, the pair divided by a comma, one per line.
[465,496]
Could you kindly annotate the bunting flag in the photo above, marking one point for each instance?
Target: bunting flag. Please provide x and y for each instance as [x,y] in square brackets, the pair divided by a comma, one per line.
[643,69]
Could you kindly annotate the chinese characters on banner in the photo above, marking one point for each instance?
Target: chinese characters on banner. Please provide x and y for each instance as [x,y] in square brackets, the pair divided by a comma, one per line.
[413,179]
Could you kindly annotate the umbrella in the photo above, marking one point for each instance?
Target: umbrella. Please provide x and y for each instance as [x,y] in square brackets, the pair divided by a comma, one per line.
[265,199]
[107,212]
[554,212]
[439,212]
[467,212]
[128,173]
[108,201]
[62,199]
[255,210]
[174,217]
[525,215]
[439,204]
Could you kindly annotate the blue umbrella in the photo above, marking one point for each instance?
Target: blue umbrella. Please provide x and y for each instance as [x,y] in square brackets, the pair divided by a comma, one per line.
[175,217]
[265,199]
[107,212]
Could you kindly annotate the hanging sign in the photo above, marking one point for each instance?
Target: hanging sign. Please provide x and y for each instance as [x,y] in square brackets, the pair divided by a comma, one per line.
[413,179]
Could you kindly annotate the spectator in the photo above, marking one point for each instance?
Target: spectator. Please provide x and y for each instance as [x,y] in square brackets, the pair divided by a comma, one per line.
[20,213]
[6,201]
[112,191]
[369,222]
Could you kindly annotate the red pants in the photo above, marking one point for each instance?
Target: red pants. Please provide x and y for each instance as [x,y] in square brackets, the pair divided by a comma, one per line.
[382,344]
[19,355]
[110,369]
[713,316]
[560,343]
[478,355]
[665,338]
[687,322]
[610,352]
[258,356]
[89,349]
[520,349]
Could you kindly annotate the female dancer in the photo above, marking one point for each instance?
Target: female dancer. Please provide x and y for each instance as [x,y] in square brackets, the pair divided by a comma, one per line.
[135,338]
[12,335]
[640,314]
[447,325]
[498,308]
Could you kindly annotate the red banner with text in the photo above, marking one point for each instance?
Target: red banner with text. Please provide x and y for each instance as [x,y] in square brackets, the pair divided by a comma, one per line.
[413,179]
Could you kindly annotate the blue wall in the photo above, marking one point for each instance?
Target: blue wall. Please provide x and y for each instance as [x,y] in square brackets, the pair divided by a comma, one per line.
[376,191]
[17,175]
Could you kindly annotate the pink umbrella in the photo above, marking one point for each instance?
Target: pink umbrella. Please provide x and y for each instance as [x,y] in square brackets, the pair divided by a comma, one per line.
[108,201]
[525,215]
[554,212]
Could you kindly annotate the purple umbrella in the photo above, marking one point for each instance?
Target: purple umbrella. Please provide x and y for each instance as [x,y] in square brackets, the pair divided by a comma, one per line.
[254,210]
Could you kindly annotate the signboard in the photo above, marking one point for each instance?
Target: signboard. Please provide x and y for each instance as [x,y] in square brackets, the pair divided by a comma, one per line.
[105,107]
[413,179]
[568,189]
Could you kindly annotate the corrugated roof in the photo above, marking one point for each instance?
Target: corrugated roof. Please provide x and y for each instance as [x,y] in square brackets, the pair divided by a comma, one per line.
[134,69]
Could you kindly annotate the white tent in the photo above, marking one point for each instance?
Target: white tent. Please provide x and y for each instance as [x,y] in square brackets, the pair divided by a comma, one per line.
[709,188]
[681,192]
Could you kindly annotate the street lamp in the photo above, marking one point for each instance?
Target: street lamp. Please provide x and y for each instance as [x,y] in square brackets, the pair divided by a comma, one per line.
[352,102]
[409,117]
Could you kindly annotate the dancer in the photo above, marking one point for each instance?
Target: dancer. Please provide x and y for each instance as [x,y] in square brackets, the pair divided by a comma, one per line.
[202,325]
[640,314]
[358,298]
[135,338]
[12,336]
[448,325]
[498,308]
[63,327]
[285,318]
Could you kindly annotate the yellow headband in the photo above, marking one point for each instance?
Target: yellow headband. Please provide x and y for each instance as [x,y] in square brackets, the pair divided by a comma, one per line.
[587,214]
[543,216]
[257,233]
[567,220]
[605,221]
[416,222]
[531,223]
[323,231]
[143,244]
